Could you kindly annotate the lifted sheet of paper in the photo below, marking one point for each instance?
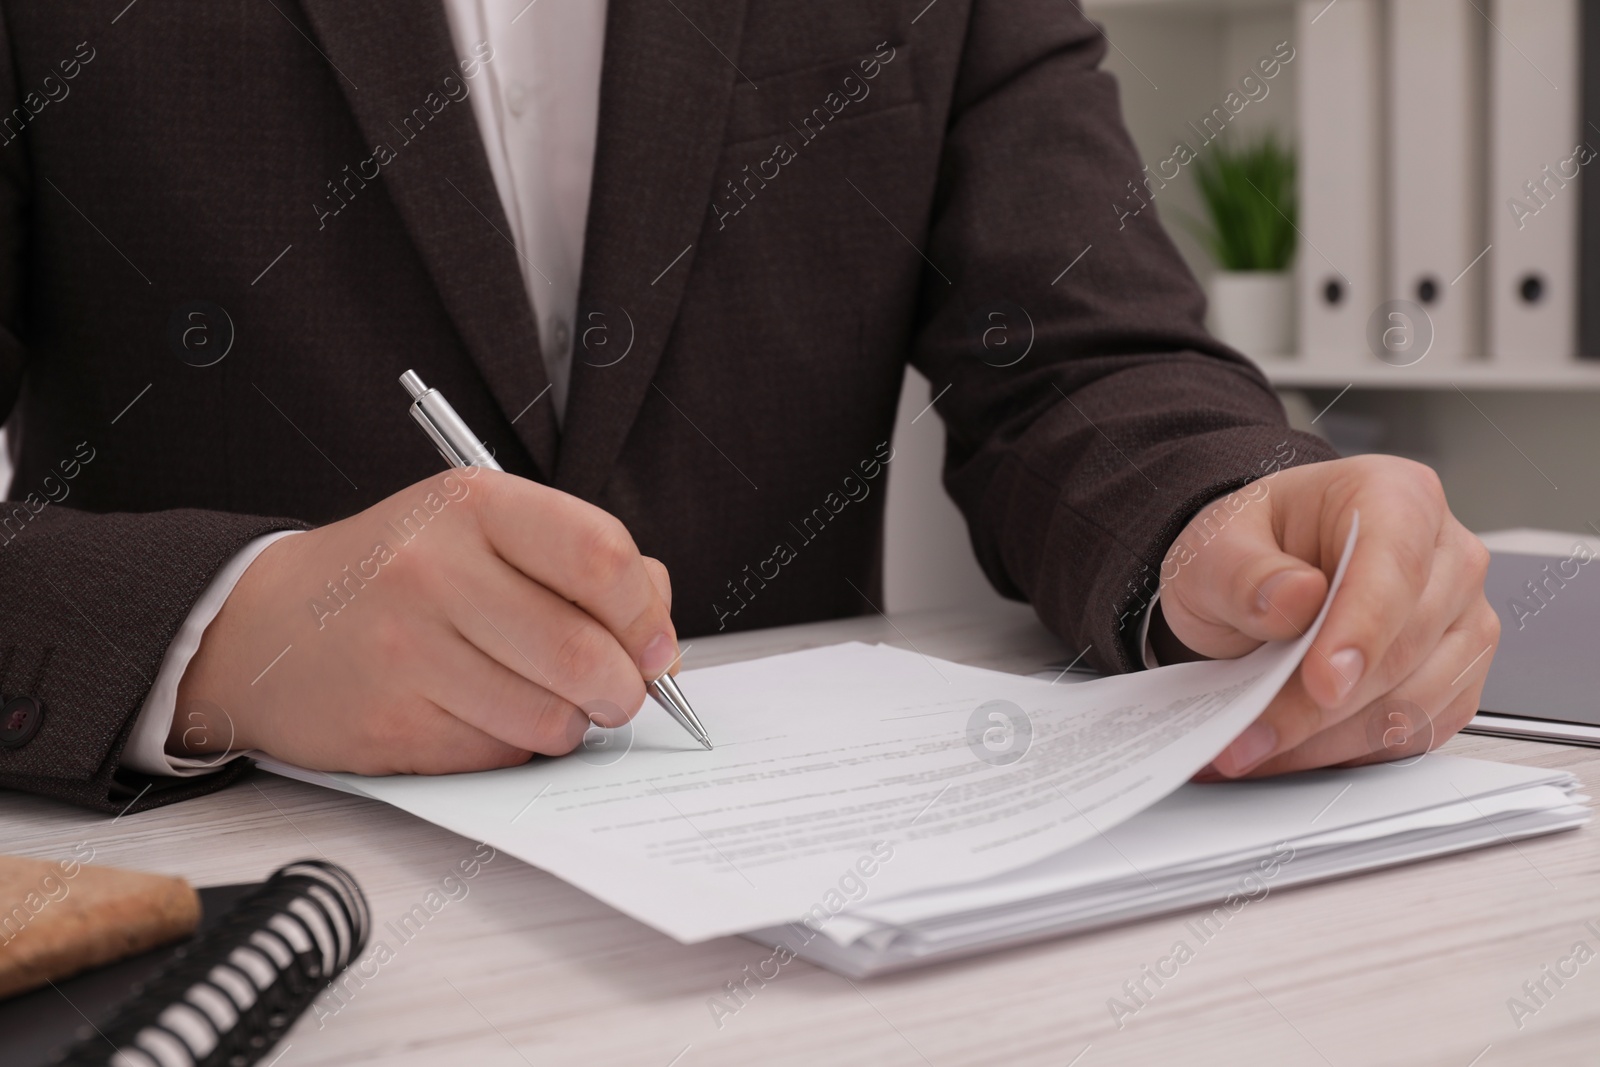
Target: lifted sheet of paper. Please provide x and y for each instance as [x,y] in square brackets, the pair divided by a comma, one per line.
[847,765]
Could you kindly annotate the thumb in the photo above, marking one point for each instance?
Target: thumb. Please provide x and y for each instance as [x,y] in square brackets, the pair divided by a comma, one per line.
[1228,585]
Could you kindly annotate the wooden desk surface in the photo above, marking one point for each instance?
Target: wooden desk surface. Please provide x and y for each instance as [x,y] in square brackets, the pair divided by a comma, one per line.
[1406,966]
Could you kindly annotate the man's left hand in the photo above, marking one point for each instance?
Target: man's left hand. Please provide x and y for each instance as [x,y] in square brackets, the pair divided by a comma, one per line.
[1402,656]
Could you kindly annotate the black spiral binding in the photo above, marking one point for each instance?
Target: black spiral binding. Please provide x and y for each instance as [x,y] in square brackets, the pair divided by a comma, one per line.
[225,999]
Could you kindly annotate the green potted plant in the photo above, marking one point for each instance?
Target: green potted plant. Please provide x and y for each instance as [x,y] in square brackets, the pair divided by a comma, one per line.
[1249,229]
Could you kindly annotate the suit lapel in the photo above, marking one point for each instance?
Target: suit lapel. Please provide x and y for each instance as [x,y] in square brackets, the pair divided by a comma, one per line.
[389,55]
[664,97]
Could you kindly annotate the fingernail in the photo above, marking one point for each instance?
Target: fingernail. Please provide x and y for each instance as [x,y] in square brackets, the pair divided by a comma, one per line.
[658,655]
[1349,663]
[1264,593]
[1247,750]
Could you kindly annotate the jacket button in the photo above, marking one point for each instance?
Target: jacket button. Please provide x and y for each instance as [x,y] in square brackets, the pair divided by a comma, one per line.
[19,720]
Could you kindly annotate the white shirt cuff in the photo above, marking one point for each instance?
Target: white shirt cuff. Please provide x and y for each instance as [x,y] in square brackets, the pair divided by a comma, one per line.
[1147,650]
[146,750]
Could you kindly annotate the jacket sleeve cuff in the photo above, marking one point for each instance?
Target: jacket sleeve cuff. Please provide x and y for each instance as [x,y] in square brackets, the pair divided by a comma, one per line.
[146,748]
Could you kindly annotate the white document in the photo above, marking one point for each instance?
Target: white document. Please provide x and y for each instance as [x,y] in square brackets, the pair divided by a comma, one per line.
[1436,162]
[834,756]
[1341,261]
[1534,177]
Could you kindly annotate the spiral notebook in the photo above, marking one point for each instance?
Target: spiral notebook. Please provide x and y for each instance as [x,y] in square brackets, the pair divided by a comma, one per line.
[224,997]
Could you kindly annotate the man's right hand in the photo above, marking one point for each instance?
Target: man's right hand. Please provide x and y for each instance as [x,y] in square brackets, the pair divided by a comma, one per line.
[464,623]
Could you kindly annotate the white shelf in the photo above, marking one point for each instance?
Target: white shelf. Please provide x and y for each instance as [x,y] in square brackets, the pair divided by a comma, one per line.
[1290,372]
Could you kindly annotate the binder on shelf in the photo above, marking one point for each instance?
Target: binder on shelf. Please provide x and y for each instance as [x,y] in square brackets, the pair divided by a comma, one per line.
[1341,259]
[1436,70]
[1536,155]
[1589,206]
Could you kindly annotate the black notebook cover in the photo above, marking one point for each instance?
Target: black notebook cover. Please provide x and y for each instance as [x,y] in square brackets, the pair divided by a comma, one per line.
[34,1026]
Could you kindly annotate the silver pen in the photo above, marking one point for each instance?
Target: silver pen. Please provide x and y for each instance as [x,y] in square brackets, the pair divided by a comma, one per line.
[461,448]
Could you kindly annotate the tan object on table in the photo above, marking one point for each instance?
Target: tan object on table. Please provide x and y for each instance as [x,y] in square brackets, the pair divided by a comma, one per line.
[57,919]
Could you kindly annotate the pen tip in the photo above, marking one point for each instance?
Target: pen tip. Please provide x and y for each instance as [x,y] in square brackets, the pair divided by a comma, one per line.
[706,742]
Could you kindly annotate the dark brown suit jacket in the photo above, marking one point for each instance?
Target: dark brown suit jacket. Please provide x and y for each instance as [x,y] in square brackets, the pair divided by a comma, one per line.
[791,201]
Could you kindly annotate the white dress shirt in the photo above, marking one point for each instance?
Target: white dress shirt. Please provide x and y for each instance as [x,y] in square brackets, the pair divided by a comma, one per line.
[538,110]
[536,100]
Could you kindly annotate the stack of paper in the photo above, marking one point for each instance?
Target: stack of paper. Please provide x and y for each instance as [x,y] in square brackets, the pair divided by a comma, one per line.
[907,808]
[1226,845]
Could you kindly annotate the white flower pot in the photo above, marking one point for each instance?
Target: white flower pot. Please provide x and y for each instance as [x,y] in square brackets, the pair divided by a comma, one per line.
[1253,310]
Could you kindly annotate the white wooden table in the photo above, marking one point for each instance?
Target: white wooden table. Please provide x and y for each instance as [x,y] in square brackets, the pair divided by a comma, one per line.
[1407,966]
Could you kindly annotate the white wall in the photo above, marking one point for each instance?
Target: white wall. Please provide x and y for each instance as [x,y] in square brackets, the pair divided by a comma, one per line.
[928,560]
[1173,67]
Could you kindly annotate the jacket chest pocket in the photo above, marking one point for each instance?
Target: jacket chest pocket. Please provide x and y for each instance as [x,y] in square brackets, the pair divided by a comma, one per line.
[803,102]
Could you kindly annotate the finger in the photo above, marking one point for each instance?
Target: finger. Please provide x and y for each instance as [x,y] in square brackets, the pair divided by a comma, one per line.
[659,578]
[1294,716]
[417,737]
[486,695]
[545,640]
[584,555]
[1384,732]
[1401,524]
[662,580]
[1421,713]
[1288,720]
[1227,583]
[1445,724]
[455,747]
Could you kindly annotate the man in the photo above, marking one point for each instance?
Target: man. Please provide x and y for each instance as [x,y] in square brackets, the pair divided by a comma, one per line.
[669,259]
